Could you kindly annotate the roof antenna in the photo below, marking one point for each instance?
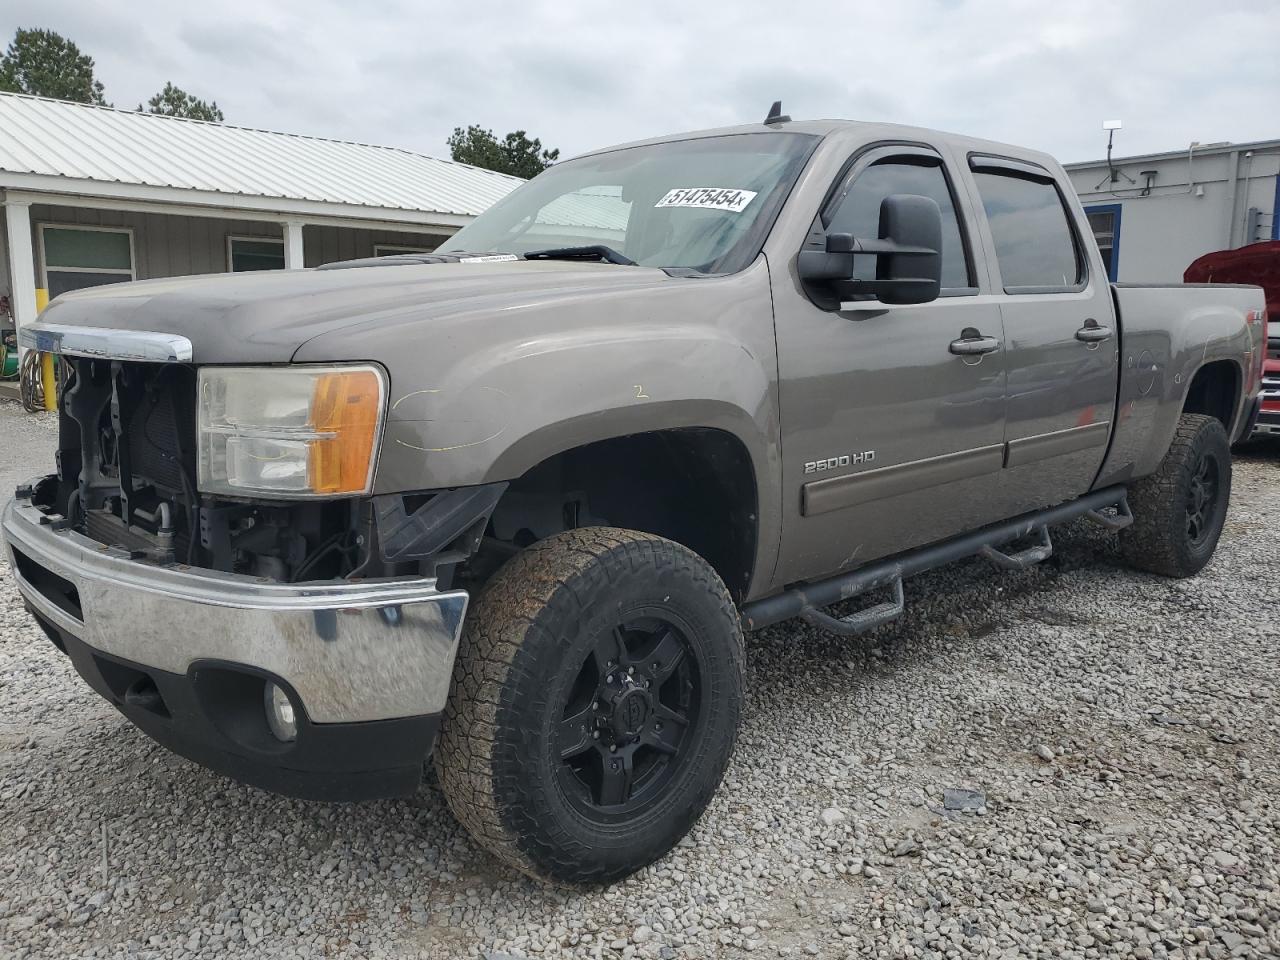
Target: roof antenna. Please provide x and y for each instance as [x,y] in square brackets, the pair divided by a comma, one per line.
[776,115]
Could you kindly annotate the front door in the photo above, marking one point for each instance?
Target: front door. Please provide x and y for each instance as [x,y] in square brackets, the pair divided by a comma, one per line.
[892,436]
[1061,347]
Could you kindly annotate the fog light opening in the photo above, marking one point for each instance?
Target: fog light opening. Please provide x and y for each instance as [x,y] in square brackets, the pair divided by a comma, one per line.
[280,715]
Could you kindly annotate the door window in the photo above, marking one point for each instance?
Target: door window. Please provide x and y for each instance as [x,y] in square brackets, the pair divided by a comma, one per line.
[75,257]
[858,212]
[1035,247]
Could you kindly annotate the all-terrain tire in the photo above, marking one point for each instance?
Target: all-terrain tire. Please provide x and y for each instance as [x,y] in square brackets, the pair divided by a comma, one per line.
[1179,511]
[531,637]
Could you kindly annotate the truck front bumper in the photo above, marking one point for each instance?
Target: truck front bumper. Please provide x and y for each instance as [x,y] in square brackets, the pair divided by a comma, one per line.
[186,653]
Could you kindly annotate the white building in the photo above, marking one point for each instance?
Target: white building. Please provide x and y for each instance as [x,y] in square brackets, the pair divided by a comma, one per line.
[1154,214]
[94,195]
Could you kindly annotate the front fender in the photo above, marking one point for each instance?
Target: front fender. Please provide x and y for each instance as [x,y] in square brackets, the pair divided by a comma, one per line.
[484,389]
[504,410]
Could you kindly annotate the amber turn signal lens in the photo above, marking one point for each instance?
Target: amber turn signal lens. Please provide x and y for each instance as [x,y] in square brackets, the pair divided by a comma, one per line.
[345,411]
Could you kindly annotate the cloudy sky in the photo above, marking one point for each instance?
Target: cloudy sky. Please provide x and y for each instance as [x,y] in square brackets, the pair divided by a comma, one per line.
[581,75]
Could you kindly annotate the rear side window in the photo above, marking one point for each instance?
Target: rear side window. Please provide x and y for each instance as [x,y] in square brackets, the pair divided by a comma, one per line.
[858,212]
[1035,246]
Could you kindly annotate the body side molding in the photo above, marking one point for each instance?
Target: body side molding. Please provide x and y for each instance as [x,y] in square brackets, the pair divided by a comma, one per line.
[836,493]
[1042,446]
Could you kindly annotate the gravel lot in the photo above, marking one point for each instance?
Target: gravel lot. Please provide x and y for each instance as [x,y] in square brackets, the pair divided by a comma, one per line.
[1124,730]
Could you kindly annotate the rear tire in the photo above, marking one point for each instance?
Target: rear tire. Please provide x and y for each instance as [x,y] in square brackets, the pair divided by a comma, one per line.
[1179,511]
[593,639]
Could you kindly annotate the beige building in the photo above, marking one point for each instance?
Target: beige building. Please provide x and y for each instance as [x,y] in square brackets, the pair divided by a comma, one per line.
[1152,215]
[94,195]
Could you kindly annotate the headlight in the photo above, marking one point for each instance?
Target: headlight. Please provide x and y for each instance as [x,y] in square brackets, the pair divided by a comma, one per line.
[299,431]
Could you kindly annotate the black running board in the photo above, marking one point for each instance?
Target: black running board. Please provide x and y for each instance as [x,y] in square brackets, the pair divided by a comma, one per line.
[1023,559]
[860,621]
[808,600]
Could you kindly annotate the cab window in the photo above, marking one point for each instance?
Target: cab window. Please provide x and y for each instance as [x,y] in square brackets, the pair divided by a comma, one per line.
[1035,247]
[858,212]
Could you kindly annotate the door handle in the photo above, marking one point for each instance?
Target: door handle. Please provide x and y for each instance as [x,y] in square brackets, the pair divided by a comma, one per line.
[1093,332]
[973,344]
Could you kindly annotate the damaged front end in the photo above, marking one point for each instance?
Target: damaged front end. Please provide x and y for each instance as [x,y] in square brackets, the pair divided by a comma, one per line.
[207,618]
[127,477]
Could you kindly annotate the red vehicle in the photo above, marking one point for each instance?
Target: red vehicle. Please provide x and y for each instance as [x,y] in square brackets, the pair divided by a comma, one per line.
[1258,263]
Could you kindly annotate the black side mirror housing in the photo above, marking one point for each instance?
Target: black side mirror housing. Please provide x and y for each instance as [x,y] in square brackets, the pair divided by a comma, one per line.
[911,273]
[909,262]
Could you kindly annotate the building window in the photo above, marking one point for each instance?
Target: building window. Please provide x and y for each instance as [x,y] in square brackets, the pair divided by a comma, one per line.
[73,258]
[391,249]
[1104,221]
[254,253]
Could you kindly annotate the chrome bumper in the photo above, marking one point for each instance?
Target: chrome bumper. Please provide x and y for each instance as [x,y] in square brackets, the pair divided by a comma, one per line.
[352,652]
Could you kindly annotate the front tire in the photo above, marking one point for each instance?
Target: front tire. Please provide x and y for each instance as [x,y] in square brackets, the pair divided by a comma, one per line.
[595,704]
[1179,510]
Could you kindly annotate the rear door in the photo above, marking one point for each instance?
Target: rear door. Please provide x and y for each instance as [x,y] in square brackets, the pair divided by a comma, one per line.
[1061,345]
[892,439]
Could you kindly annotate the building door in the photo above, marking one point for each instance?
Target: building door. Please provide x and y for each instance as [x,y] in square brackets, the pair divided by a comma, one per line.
[891,439]
[1104,221]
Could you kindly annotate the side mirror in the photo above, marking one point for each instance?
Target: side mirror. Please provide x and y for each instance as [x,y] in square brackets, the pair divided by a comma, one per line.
[909,262]
[911,272]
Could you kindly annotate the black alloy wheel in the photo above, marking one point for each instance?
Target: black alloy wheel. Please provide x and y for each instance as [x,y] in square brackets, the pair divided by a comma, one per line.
[623,727]
[1202,501]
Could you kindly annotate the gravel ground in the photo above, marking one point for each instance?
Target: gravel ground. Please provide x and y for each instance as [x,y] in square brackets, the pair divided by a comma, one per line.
[1124,732]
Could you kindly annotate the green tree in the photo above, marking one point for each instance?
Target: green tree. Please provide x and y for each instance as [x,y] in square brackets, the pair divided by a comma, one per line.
[47,64]
[175,102]
[515,154]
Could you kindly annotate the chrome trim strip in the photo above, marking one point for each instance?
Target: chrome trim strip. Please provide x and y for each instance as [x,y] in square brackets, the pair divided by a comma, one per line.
[105,343]
[351,651]
[1043,446]
[836,493]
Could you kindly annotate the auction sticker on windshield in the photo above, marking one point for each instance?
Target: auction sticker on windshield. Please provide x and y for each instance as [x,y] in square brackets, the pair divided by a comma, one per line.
[708,198]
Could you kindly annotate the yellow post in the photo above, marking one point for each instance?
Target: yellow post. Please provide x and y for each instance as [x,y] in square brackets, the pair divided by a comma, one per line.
[47,379]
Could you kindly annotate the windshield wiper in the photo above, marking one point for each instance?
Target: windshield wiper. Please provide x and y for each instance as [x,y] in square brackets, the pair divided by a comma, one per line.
[595,251]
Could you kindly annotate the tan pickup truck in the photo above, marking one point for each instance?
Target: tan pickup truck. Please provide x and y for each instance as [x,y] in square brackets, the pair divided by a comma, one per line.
[517,501]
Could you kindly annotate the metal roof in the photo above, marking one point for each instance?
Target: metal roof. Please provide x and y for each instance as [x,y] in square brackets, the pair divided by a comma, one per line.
[78,148]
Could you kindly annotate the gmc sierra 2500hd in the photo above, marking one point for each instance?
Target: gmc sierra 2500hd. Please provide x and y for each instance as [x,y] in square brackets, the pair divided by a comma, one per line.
[516,501]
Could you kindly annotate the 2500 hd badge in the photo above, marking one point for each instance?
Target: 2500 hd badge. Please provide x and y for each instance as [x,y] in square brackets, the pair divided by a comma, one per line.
[844,460]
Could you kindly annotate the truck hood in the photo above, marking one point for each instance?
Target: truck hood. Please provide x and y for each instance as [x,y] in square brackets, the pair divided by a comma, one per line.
[266,317]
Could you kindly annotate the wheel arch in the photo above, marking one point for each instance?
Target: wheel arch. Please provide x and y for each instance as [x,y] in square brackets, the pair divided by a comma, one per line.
[1215,390]
[692,483]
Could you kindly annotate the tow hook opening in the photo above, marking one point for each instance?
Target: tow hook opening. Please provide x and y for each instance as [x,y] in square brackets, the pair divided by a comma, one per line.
[143,693]
[132,687]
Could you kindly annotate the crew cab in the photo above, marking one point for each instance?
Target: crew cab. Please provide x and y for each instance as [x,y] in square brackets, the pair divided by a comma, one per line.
[514,503]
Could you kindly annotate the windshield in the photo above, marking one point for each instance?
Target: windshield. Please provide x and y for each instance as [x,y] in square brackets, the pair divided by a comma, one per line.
[700,204]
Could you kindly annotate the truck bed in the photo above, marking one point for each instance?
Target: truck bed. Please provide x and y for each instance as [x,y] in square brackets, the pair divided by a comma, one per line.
[1166,330]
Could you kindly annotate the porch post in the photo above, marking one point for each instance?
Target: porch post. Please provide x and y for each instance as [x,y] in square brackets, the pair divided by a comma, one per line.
[294,258]
[22,264]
